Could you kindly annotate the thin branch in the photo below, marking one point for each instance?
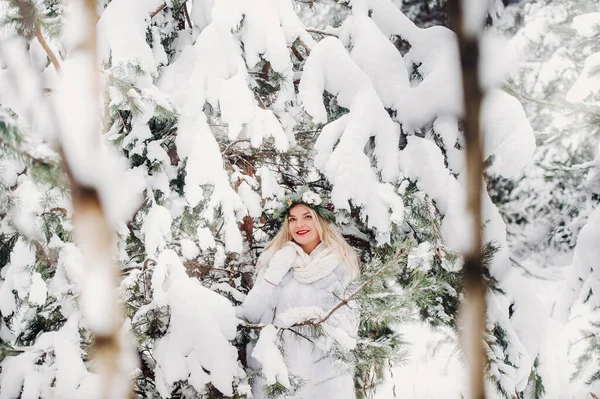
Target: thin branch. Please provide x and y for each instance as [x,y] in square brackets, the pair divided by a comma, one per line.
[583,108]
[47,49]
[297,53]
[122,121]
[589,336]
[343,302]
[300,335]
[306,48]
[187,14]
[320,32]
[158,10]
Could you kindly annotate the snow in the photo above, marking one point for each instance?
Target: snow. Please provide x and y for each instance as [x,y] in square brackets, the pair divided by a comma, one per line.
[367,118]
[376,56]
[157,153]
[265,124]
[587,25]
[269,356]
[508,136]
[39,291]
[91,161]
[191,81]
[236,103]
[345,341]
[474,13]
[20,91]
[434,369]
[156,229]
[251,199]
[421,258]
[588,81]
[13,375]
[198,336]
[17,278]
[210,69]
[201,12]
[69,365]
[24,216]
[583,270]
[447,128]
[66,377]
[499,58]
[189,250]
[69,273]
[127,19]
[205,238]
[298,315]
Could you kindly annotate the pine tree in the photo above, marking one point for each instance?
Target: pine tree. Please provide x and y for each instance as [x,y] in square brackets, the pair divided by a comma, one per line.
[556,207]
[217,110]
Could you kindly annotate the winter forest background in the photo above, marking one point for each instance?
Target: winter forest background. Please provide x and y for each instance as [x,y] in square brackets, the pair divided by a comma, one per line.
[211,111]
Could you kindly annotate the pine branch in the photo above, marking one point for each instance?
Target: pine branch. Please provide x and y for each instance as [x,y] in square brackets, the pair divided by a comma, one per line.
[583,108]
[306,48]
[343,302]
[358,291]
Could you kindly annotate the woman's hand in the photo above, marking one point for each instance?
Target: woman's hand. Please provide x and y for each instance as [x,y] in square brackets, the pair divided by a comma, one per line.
[280,264]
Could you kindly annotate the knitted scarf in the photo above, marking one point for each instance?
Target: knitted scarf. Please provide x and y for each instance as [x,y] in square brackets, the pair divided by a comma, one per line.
[321,262]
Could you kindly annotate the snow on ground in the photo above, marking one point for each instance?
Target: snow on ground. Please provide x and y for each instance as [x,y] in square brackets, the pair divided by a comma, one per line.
[435,369]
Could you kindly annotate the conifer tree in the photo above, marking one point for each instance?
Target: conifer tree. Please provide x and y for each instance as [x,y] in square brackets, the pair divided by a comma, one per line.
[217,109]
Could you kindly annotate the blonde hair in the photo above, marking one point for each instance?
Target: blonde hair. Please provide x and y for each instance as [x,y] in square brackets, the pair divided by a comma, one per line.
[328,234]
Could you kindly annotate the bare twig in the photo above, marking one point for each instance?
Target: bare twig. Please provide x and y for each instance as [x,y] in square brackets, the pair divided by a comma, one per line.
[306,48]
[297,53]
[392,378]
[299,334]
[187,14]
[589,336]
[158,10]
[47,49]
[320,32]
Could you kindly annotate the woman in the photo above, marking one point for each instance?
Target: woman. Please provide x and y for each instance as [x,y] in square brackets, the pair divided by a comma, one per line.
[307,264]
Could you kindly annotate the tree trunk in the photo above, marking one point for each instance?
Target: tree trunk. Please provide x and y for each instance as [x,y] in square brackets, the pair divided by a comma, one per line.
[473,309]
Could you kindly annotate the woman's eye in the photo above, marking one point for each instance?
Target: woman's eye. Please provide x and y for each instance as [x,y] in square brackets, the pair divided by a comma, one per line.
[308,217]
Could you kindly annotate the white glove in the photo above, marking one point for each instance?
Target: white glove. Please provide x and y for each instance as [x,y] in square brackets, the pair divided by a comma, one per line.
[280,264]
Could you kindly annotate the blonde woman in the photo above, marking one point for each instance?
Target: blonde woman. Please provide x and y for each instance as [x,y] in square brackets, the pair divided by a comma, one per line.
[308,265]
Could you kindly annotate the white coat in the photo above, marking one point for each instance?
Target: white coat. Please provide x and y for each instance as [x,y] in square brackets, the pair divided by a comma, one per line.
[320,374]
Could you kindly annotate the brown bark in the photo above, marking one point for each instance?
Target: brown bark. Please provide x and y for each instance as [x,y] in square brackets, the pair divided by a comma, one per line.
[473,309]
[47,49]
[95,237]
[159,9]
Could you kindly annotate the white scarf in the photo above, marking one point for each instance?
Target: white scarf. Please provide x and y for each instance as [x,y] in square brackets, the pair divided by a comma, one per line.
[321,262]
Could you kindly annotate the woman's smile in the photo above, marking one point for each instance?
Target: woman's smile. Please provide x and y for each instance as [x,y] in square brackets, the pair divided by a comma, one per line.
[303,228]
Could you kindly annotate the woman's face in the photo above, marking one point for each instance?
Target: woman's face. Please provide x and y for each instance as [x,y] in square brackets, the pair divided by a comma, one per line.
[303,228]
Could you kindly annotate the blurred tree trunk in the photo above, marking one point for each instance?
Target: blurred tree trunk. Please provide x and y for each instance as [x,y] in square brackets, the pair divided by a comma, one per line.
[473,311]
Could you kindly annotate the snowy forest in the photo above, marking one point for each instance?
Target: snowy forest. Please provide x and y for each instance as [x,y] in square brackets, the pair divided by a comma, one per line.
[146,145]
